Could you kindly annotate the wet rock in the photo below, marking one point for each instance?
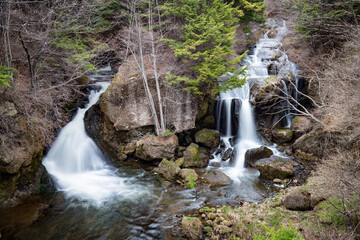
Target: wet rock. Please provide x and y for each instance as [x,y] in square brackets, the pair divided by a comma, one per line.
[275,167]
[300,126]
[278,181]
[254,154]
[194,158]
[188,174]
[208,138]
[232,141]
[215,164]
[298,200]
[192,227]
[282,135]
[168,169]
[216,178]
[235,115]
[233,157]
[124,151]
[180,151]
[222,144]
[227,154]
[152,147]
[219,150]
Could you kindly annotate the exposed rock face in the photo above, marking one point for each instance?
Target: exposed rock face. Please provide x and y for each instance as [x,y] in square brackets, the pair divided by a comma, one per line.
[194,158]
[266,96]
[126,106]
[282,135]
[19,164]
[168,169]
[152,147]
[298,200]
[208,138]
[192,227]
[275,167]
[216,178]
[123,113]
[254,154]
[300,126]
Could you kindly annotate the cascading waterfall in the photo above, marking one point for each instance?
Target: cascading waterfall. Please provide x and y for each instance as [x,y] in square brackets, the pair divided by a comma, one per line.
[77,165]
[259,62]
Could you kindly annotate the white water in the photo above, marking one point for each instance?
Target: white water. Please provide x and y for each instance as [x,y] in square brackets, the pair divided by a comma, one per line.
[78,166]
[247,138]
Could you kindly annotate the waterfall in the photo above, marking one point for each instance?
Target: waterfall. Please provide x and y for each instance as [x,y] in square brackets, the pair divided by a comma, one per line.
[77,165]
[266,54]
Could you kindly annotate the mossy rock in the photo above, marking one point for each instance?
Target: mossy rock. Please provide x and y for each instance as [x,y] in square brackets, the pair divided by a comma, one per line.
[282,135]
[168,169]
[192,227]
[208,138]
[275,167]
[194,158]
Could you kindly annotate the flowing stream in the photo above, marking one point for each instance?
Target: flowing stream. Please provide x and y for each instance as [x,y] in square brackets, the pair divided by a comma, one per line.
[97,201]
[234,106]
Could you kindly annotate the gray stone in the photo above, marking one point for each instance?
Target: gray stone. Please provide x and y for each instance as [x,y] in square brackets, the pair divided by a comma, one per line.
[254,154]
[275,167]
[298,200]
[216,178]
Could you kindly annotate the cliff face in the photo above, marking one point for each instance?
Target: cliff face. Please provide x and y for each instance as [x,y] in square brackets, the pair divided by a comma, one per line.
[123,113]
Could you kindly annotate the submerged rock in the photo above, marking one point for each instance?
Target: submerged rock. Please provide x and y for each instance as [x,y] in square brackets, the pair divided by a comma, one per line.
[282,135]
[208,138]
[254,154]
[275,167]
[152,147]
[168,169]
[298,200]
[192,227]
[194,158]
[216,178]
[300,126]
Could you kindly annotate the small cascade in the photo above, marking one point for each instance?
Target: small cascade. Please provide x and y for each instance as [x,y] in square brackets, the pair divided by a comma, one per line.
[266,59]
[287,111]
[78,166]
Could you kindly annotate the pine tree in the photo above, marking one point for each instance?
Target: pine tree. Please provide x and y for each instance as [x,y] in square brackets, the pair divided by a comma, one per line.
[207,40]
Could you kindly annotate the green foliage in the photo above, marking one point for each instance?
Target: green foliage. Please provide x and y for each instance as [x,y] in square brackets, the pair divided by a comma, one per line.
[80,49]
[207,39]
[281,233]
[253,9]
[340,211]
[191,181]
[6,75]
[168,133]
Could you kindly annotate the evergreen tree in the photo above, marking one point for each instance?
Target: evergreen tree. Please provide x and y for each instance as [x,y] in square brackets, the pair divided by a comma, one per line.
[207,40]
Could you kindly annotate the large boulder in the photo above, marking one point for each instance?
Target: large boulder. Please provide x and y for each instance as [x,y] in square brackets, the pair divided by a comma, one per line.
[152,147]
[267,97]
[254,154]
[300,126]
[275,167]
[208,138]
[282,135]
[192,227]
[298,200]
[193,157]
[168,169]
[216,178]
